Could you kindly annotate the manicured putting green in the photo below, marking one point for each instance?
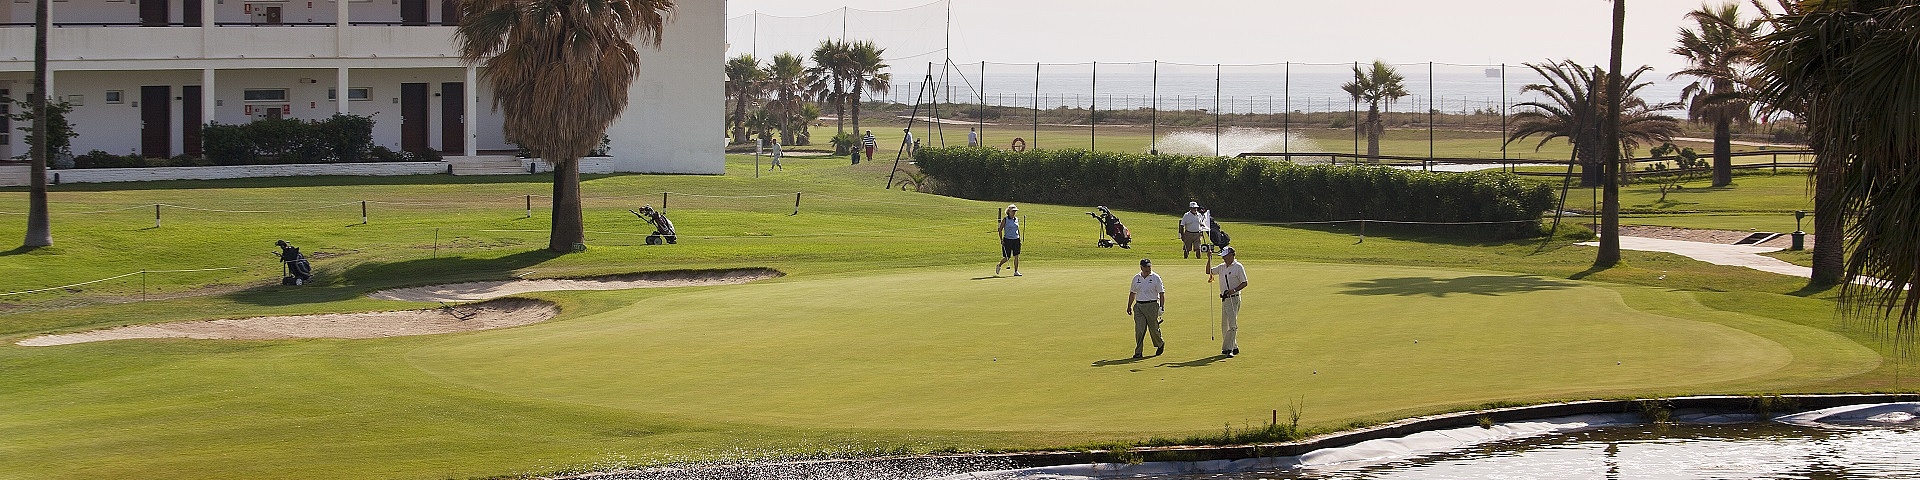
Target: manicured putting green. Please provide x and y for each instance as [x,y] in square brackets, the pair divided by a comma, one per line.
[954,349]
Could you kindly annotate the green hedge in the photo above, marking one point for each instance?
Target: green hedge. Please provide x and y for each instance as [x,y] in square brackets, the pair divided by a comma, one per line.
[1246,189]
[340,138]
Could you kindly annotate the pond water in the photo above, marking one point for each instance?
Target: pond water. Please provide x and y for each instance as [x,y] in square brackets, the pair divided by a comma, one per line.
[1768,450]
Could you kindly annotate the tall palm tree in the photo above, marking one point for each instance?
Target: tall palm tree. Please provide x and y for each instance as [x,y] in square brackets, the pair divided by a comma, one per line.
[1850,66]
[787,81]
[832,70]
[1718,53]
[560,71]
[39,226]
[1795,93]
[1573,111]
[1609,254]
[1380,83]
[864,60]
[745,82]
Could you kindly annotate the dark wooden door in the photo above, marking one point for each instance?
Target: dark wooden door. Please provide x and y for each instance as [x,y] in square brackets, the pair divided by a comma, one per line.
[153,13]
[190,13]
[413,12]
[156,121]
[449,12]
[413,117]
[190,120]
[453,118]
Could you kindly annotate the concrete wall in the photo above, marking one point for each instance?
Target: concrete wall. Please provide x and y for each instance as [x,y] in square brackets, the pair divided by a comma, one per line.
[234,11]
[674,122]
[103,175]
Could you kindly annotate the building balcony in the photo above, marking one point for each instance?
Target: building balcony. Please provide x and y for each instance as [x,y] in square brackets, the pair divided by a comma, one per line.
[103,47]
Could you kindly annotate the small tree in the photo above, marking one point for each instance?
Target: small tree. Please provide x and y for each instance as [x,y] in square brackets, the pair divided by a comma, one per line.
[1685,162]
[1380,83]
[59,131]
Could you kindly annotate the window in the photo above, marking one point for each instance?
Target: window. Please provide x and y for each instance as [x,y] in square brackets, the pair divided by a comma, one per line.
[354,94]
[265,95]
[114,96]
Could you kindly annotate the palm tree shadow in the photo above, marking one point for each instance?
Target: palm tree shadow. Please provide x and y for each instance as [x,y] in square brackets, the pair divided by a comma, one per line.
[20,250]
[1488,285]
[1200,362]
[1117,361]
[357,280]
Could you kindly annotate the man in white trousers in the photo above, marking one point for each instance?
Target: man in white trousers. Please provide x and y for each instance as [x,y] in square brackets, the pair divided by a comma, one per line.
[1233,279]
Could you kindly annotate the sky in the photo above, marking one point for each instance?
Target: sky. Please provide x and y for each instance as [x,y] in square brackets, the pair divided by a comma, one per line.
[1271,31]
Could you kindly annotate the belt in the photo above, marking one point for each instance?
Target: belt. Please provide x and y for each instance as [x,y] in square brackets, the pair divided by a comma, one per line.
[1229,296]
[1148,301]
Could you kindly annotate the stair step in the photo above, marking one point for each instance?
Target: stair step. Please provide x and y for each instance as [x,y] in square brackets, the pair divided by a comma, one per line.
[1757,238]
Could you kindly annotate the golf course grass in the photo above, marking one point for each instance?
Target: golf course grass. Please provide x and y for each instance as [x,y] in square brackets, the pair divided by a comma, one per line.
[889,333]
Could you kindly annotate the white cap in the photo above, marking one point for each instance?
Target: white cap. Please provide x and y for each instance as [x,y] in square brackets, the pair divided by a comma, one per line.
[1224,251]
[1013,207]
[1193,204]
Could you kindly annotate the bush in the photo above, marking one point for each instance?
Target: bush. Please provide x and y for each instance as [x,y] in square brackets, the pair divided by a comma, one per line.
[340,138]
[100,159]
[1253,189]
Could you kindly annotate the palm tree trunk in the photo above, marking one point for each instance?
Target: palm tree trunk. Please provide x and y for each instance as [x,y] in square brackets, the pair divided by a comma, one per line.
[1722,150]
[1374,129]
[39,228]
[853,102]
[569,224]
[1609,254]
[740,119]
[1829,238]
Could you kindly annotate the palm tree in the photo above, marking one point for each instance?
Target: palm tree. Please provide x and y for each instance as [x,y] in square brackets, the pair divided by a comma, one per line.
[787,81]
[832,70]
[745,82]
[1381,83]
[560,71]
[1610,152]
[1717,54]
[39,226]
[864,58]
[1848,66]
[1573,108]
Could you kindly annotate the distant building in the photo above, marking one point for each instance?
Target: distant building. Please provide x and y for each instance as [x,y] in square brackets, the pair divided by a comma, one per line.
[145,75]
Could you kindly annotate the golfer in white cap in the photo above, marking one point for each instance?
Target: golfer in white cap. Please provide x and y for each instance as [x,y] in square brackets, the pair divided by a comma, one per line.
[1233,279]
[1193,227]
[1145,301]
[1009,241]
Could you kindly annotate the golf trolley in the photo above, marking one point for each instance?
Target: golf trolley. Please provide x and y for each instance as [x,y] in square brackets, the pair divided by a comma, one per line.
[1112,232]
[1216,238]
[294,269]
[662,228]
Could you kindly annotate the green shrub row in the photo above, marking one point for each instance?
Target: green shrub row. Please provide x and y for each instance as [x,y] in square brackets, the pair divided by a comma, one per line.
[1246,189]
[338,139]
[101,159]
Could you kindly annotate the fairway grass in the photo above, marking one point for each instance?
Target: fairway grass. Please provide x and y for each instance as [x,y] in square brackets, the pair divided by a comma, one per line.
[890,334]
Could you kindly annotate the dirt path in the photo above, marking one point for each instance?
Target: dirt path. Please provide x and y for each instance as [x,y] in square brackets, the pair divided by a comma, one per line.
[475,291]
[464,318]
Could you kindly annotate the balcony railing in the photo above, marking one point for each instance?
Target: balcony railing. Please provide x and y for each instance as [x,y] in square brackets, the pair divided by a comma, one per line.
[254,42]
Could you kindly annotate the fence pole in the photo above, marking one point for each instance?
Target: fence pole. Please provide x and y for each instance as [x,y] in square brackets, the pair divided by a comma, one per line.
[1153,123]
[156,215]
[530,204]
[1503,115]
[1427,164]
[363,212]
[1216,110]
[1036,106]
[143,285]
[663,200]
[796,203]
[1286,96]
[983,105]
[1093,107]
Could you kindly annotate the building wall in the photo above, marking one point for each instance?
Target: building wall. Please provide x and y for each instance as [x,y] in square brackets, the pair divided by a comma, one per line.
[671,124]
[101,175]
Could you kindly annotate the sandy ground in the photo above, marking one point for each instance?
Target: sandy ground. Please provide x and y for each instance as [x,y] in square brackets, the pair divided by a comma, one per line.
[475,291]
[481,316]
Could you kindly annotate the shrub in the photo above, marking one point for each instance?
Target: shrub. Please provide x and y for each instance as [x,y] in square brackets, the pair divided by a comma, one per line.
[340,138]
[1254,189]
[100,159]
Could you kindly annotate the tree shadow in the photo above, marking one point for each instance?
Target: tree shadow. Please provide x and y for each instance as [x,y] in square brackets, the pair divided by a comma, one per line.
[20,250]
[1488,285]
[1814,288]
[1200,362]
[360,279]
[1118,361]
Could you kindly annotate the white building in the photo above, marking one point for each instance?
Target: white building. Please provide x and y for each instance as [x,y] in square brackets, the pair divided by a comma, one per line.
[144,75]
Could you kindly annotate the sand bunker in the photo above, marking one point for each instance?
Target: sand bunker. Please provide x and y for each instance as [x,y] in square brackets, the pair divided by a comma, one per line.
[463,318]
[475,291]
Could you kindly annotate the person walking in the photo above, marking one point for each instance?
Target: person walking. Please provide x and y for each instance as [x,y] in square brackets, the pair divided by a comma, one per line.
[869,142]
[776,156]
[1009,241]
[1233,279]
[973,137]
[1193,227]
[909,142]
[1146,302]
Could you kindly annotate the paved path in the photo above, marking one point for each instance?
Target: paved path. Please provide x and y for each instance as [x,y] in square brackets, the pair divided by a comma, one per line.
[1718,254]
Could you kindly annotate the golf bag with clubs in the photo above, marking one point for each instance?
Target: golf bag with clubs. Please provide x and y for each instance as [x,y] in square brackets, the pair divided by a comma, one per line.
[1215,238]
[1112,232]
[294,267]
[662,228]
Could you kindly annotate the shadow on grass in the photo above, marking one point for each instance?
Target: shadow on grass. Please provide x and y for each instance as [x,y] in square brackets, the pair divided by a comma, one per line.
[360,279]
[1489,285]
[1119,361]
[20,250]
[1200,362]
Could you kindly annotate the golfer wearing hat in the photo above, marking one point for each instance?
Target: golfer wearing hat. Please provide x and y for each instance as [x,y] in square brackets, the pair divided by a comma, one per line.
[1009,241]
[1146,301]
[1233,279]
[1193,227]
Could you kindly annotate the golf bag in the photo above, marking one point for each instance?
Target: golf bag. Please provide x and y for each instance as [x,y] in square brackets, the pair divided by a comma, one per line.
[294,267]
[1112,232]
[662,228]
[1215,235]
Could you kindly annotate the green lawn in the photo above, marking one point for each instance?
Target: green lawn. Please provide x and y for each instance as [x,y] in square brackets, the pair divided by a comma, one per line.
[889,335]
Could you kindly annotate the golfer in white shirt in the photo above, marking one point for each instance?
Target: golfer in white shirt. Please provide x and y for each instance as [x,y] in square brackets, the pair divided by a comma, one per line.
[1233,279]
[1146,301]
